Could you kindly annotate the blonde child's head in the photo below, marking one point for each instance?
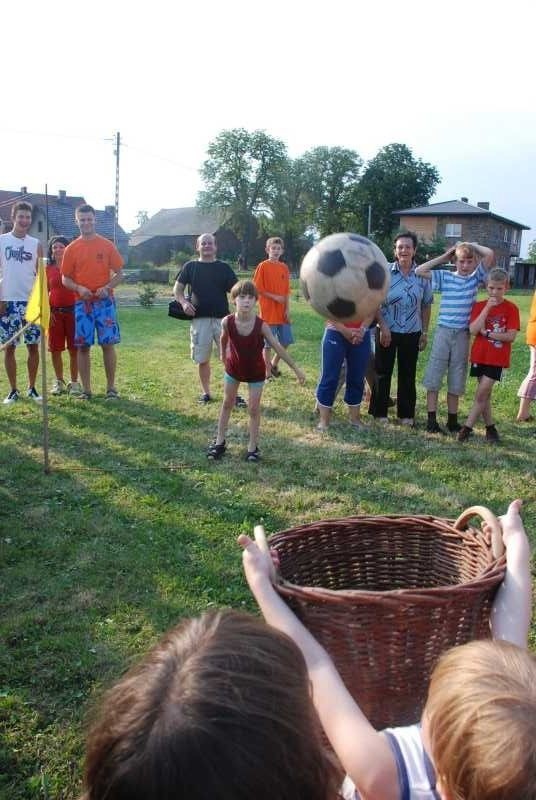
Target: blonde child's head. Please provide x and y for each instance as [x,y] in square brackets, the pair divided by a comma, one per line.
[275,246]
[244,288]
[480,722]
[464,250]
[498,275]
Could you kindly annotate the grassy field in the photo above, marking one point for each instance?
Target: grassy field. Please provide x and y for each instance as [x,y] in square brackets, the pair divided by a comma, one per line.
[133,528]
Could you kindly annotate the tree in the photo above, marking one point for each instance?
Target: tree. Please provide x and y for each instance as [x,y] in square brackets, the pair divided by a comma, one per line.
[240,177]
[287,214]
[531,253]
[331,177]
[394,179]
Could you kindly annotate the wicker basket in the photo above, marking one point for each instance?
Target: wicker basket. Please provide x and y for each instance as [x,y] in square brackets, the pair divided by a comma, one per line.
[387,595]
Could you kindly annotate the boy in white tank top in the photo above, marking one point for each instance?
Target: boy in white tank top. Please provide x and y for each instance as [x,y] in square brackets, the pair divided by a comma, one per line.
[18,267]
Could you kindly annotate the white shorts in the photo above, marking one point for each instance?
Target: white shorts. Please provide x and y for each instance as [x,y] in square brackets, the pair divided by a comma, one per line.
[203,332]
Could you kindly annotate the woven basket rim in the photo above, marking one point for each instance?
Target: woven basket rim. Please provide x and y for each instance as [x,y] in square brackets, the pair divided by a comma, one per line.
[488,578]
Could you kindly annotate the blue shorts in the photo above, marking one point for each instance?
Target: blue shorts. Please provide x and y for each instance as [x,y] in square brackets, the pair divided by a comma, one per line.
[283,333]
[13,320]
[99,314]
[255,384]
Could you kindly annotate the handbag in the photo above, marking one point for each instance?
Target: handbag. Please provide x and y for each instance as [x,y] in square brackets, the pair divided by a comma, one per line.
[176,311]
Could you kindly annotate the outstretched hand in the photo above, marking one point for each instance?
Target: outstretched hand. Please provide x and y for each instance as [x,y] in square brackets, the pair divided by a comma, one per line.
[258,565]
[511,524]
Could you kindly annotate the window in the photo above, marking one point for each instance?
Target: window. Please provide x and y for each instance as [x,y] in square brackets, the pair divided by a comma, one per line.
[505,237]
[453,230]
[514,236]
[40,227]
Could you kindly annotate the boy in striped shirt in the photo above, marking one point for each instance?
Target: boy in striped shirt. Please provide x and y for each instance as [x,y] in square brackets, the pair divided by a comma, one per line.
[450,348]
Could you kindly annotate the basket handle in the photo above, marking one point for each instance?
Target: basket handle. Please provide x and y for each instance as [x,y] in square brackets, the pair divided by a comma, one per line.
[497,546]
[260,538]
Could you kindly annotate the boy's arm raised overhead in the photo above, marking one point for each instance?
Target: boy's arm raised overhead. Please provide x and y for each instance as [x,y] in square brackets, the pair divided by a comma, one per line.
[364,753]
[425,270]
[487,256]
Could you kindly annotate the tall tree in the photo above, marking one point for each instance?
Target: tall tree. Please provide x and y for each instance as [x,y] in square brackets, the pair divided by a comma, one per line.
[288,213]
[531,253]
[331,179]
[393,179]
[240,175]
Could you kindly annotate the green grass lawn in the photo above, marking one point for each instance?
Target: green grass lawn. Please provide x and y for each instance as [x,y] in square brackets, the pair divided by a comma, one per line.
[133,528]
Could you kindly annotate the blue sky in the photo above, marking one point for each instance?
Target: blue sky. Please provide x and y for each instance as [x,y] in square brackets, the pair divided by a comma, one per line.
[452,82]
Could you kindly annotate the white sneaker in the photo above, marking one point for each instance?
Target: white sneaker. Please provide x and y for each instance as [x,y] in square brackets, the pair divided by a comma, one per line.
[74,388]
[12,397]
[58,387]
[407,421]
[34,395]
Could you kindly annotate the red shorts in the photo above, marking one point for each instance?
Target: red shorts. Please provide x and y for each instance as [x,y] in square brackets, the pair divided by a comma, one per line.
[61,331]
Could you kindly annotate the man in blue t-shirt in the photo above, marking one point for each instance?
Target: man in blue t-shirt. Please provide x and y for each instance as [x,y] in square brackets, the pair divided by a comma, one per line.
[450,348]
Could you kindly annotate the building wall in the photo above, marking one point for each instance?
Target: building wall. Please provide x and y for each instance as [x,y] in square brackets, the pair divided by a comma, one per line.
[482,229]
[424,227]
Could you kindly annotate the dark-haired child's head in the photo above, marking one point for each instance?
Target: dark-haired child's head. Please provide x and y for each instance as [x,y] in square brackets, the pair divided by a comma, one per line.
[219,708]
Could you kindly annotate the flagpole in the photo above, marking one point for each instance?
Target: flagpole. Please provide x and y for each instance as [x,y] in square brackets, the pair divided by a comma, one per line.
[44,392]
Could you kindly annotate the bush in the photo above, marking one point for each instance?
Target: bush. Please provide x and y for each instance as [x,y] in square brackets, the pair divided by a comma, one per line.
[147,296]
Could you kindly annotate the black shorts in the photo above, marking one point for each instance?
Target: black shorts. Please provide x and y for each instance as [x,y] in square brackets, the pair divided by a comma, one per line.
[494,373]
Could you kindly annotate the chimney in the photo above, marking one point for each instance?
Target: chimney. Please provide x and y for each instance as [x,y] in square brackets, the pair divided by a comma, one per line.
[24,190]
[485,206]
[109,210]
[465,199]
[62,194]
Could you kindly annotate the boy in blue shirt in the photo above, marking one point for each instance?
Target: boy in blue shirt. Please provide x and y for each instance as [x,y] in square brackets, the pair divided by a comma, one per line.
[450,348]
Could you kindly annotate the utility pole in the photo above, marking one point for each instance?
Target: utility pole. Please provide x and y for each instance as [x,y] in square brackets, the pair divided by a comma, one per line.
[116,154]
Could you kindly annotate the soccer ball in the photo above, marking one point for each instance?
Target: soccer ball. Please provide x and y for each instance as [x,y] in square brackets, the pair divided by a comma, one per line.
[345,277]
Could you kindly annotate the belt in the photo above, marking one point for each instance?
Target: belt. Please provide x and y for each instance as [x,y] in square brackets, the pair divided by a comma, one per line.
[65,309]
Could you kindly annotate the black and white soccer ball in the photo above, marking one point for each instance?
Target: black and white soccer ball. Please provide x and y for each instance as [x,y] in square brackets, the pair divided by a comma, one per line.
[345,277]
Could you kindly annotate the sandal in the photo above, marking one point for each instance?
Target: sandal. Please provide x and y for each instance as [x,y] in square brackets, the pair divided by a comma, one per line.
[83,396]
[112,394]
[253,456]
[215,451]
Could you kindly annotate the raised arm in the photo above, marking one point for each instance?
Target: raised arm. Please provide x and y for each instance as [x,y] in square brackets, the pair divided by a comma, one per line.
[487,256]
[512,609]
[363,752]
[425,270]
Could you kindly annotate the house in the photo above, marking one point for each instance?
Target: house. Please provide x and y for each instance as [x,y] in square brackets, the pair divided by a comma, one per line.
[53,215]
[174,229]
[458,220]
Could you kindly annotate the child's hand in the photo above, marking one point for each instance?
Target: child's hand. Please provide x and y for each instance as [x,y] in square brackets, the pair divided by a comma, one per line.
[258,566]
[512,524]
[300,376]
